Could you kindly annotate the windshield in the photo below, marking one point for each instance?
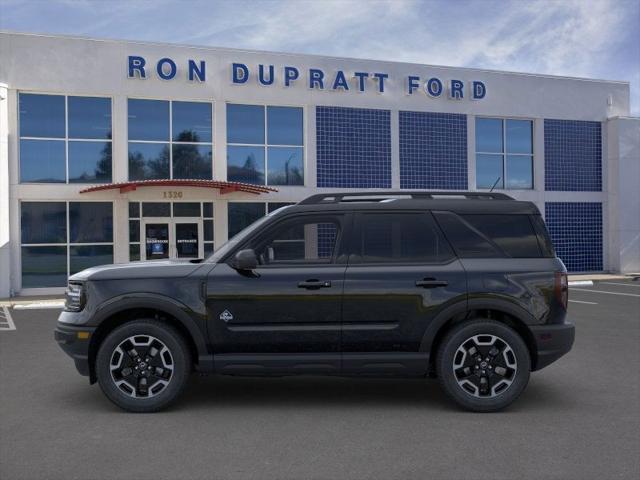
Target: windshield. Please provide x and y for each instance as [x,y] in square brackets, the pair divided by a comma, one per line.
[239,237]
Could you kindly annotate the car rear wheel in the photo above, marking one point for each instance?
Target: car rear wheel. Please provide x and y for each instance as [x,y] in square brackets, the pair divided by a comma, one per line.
[143,365]
[483,365]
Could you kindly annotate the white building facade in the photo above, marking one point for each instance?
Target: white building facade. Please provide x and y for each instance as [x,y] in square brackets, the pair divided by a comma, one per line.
[114,151]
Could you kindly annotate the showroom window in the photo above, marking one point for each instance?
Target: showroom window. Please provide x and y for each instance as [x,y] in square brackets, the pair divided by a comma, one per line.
[242,214]
[504,153]
[59,239]
[65,139]
[265,145]
[169,139]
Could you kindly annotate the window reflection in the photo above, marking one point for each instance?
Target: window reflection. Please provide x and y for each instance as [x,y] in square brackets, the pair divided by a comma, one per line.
[245,124]
[89,162]
[90,222]
[241,215]
[191,122]
[42,161]
[89,117]
[148,161]
[245,164]
[41,115]
[285,166]
[148,120]
[192,161]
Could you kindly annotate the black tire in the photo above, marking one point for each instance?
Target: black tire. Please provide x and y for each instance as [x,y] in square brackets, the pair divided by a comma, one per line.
[455,360]
[174,368]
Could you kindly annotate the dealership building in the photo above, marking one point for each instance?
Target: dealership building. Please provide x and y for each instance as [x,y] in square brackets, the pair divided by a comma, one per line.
[115,151]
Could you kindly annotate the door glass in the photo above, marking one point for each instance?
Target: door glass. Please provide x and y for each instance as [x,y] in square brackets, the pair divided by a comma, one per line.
[157,240]
[187,244]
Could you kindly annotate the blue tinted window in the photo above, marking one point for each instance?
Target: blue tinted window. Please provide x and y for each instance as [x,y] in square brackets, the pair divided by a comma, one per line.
[186,209]
[191,122]
[41,115]
[134,230]
[207,210]
[87,256]
[43,222]
[242,215]
[489,171]
[284,126]
[519,172]
[192,161]
[208,230]
[148,161]
[90,222]
[245,164]
[245,124]
[519,136]
[44,267]
[89,162]
[148,120]
[42,161]
[134,252]
[89,117]
[285,166]
[489,135]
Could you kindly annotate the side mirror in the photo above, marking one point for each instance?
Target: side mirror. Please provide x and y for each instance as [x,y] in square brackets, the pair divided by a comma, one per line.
[245,260]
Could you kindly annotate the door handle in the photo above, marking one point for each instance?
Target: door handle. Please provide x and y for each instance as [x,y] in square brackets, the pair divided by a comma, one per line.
[314,284]
[431,283]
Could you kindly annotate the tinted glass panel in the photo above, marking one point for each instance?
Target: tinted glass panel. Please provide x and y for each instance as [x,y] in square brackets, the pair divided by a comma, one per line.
[242,215]
[134,252]
[208,249]
[156,209]
[207,210]
[190,209]
[157,240]
[208,230]
[134,210]
[89,117]
[148,120]
[489,135]
[245,124]
[134,230]
[273,206]
[245,164]
[407,237]
[519,171]
[514,234]
[89,162]
[41,115]
[148,161]
[467,242]
[285,166]
[90,222]
[544,240]
[192,161]
[488,171]
[44,222]
[87,256]
[284,126]
[191,122]
[519,133]
[187,242]
[304,240]
[44,267]
[42,161]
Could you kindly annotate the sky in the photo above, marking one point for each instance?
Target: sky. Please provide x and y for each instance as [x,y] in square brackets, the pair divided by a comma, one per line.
[579,38]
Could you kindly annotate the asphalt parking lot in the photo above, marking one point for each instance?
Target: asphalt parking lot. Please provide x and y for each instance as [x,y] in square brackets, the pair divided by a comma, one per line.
[579,418]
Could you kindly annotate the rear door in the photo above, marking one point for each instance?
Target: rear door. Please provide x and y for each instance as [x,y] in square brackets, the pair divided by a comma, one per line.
[401,274]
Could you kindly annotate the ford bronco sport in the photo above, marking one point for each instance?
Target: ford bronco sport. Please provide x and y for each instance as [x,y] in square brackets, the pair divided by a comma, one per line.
[462,286]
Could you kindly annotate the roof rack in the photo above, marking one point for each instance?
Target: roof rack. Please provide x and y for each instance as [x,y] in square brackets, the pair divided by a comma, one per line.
[391,195]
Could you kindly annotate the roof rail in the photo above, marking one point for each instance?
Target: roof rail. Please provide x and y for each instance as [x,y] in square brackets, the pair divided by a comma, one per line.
[341,197]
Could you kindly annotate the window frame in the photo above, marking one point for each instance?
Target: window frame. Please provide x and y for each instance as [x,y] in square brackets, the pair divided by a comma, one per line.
[170,142]
[504,154]
[266,145]
[67,243]
[355,252]
[66,139]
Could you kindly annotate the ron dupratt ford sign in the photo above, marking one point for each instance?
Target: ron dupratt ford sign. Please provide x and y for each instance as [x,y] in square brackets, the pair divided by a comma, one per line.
[314,78]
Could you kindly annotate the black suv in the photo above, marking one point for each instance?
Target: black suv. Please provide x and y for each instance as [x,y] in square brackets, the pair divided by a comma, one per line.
[462,286]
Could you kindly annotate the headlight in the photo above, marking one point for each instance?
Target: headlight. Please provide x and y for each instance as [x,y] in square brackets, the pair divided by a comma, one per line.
[74,297]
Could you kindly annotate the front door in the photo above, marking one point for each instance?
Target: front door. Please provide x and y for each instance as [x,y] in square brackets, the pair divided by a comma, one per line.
[401,275]
[172,238]
[286,314]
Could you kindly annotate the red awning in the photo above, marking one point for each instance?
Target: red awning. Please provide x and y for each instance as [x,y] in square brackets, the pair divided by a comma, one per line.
[224,187]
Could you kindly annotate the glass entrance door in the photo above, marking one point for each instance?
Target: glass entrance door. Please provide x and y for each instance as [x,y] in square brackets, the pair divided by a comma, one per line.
[172,238]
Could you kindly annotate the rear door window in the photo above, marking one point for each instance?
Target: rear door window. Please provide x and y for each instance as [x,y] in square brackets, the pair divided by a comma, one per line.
[400,238]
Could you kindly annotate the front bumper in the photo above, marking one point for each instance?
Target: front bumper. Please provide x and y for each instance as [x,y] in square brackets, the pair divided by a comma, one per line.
[74,340]
[552,342]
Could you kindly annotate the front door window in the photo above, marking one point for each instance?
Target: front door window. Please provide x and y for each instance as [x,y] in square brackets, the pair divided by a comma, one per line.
[187,240]
[173,238]
[156,240]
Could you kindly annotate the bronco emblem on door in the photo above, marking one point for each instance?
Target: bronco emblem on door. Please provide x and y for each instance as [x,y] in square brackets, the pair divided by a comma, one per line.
[226,316]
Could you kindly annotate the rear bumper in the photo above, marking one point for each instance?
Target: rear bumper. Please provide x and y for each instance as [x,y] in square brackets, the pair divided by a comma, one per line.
[75,345]
[552,342]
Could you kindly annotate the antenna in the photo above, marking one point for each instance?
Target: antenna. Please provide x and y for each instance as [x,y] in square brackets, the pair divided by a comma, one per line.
[494,184]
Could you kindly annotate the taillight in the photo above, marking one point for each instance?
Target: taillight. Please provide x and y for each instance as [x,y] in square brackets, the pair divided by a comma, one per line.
[562,288]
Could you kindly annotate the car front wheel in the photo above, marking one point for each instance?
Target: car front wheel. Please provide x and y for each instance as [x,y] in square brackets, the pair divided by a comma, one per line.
[143,365]
[483,365]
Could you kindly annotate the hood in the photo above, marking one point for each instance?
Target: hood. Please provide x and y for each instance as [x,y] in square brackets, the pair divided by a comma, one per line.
[148,269]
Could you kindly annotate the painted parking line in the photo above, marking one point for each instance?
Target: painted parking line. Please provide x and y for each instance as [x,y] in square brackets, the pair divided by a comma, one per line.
[6,322]
[39,305]
[580,301]
[636,285]
[609,293]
